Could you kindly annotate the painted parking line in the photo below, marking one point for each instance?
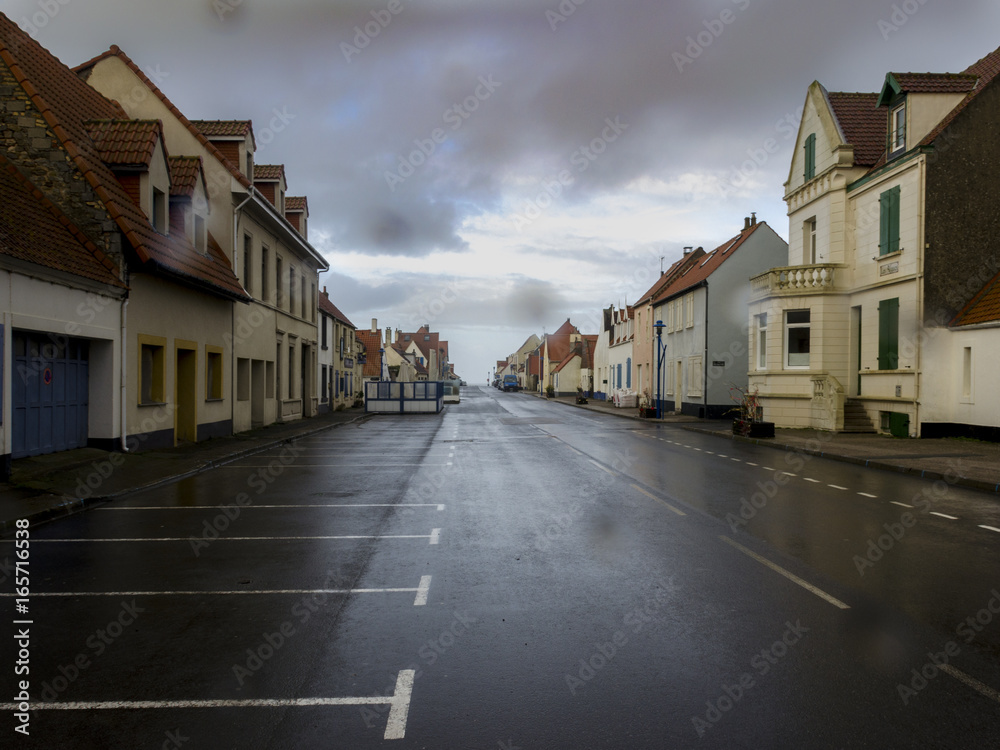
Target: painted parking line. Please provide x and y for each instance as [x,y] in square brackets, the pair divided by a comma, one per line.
[395,728]
[430,536]
[603,469]
[421,592]
[972,682]
[439,506]
[661,502]
[990,528]
[944,515]
[787,574]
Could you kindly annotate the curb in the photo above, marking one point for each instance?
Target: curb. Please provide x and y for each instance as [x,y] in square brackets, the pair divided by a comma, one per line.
[975,484]
[68,504]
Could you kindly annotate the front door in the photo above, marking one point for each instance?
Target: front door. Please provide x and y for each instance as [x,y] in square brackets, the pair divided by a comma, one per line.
[186,396]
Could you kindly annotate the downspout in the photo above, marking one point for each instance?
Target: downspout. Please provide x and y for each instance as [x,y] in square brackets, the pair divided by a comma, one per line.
[704,361]
[921,240]
[123,406]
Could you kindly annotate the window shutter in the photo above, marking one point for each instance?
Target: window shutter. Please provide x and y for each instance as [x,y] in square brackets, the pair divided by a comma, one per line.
[888,334]
[889,222]
[810,148]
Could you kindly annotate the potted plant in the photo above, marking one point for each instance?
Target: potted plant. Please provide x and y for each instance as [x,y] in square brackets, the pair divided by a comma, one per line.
[749,421]
[550,391]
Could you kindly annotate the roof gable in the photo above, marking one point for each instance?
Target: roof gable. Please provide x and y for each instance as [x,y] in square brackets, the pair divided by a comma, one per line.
[862,123]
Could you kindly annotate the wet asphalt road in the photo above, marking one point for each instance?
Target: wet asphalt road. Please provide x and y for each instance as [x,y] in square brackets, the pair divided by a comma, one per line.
[545,577]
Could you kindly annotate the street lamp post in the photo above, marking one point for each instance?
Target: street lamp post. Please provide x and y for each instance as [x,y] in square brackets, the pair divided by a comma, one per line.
[660,351]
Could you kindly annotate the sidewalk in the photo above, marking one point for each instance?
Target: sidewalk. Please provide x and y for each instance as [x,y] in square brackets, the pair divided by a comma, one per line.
[45,487]
[963,462]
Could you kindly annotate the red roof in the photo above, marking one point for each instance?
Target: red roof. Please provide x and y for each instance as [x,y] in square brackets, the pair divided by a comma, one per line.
[185,172]
[296,203]
[34,230]
[373,360]
[224,128]
[669,275]
[126,142]
[935,83]
[67,103]
[863,124]
[325,305]
[983,308]
[83,70]
[268,172]
[702,270]
[986,70]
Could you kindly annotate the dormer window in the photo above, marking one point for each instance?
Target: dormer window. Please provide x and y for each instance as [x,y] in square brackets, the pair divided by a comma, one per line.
[897,128]
[200,235]
[159,211]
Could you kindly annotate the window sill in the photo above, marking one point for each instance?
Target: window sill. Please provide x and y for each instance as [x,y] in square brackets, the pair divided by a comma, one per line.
[152,403]
[889,256]
[216,400]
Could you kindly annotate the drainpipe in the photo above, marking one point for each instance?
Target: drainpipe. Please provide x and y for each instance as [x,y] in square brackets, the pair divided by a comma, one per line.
[124,382]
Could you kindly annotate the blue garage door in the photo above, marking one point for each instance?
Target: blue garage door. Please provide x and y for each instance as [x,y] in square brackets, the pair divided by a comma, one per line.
[49,393]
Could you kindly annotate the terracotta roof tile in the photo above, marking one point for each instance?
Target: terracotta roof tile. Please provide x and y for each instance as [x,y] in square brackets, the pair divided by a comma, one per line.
[115,51]
[34,230]
[935,83]
[983,308]
[296,203]
[373,360]
[864,125]
[224,128]
[329,308]
[66,103]
[670,274]
[268,172]
[125,142]
[185,171]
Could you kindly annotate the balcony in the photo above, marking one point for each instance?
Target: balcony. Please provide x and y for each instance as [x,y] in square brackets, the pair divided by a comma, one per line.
[789,280]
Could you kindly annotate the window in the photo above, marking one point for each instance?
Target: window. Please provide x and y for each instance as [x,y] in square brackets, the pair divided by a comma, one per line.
[967,373]
[809,241]
[670,317]
[242,379]
[200,235]
[151,370]
[291,289]
[888,334]
[689,310]
[322,388]
[628,373]
[323,324]
[269,379]
[694,376]
[897,123]
[159,211]
[762,341]
[279,281]
[797,339]
[247,260]
[302,288]
[264,291]
[312,308]
[889,222]
[213,373]
[291,370]
[810,147]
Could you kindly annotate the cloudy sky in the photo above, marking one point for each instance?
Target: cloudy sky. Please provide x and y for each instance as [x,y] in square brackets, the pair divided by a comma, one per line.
[492,167]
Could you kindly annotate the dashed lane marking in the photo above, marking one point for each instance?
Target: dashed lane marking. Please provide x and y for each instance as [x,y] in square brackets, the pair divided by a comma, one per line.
[751,463]
[866,494]
[944,515]
[603,469]
[972,682]
[990,528]
[810,479]
[902,505]
[637,488]
[787,574]
[395,728]
[234,538]
[836,487]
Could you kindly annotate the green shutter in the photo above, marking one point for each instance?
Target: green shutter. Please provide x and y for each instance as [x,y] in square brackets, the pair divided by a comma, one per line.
[810,157]
[888,334]
[889,222]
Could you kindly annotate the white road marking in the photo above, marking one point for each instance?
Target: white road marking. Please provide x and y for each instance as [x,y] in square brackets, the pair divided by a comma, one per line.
[603,469]
[944,515]
[395,728]
[435,536]
[751,463]
[810,479]
[990,528]
[661,502]
[736,459]
[439,506]
[318,466]
[789,474]
[232,538]
[787,574]
[767,468]
[836,487]
[423,589]
[709,453]
[865,494]
[895,502]
[972,682]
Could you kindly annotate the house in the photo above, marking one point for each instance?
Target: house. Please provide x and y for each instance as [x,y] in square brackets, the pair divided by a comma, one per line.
[339,369]
[643,344]
[875,323]
[704,316]
[269,357]
[428,348]
[613,352]
[112,178]
[556,352]
[515,363]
